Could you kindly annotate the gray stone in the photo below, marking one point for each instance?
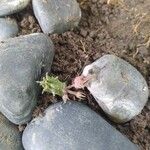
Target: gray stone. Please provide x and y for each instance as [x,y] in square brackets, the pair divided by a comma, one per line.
[8,28]
[8,7]
[22,60]
[73,126]
[118,87]
[57,16]
[10,138]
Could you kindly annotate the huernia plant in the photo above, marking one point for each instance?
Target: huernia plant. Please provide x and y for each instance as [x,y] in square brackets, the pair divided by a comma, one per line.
[54,86]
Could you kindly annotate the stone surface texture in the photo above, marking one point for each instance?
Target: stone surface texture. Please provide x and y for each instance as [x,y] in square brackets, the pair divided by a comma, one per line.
[8,28]
[57,16]
[118,87]
[22,61]
[8,7]
[10,138]
[73,126]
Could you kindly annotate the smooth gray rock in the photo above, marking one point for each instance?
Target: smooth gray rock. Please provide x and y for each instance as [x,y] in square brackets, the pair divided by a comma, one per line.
[22,60]
[118,87]
[8,28]
[10,138]
[57,16]
[73,126]
[8,7]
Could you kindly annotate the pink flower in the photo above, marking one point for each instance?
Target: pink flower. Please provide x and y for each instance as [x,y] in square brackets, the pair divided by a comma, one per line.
[80,82]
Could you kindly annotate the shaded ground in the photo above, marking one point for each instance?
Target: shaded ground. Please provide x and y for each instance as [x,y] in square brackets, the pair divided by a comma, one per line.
[122,29]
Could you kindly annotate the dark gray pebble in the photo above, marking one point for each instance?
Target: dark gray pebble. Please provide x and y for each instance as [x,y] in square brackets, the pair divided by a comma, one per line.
[57,16]
[22,60]
[10,137]
[8,7]
[73,126]
[8,28]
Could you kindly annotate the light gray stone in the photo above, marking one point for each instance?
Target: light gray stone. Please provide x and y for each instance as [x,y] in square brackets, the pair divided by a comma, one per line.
[10,138]
[118,87]
[8,28]
[73,126]
[8,7]
[57,16]
[22,61]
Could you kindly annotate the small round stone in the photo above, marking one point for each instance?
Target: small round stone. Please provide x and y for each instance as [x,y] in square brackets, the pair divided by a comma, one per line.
[73,126]
[118,87]
[10,138]
[8,7]
[8,28]
[23,60]
[57,16]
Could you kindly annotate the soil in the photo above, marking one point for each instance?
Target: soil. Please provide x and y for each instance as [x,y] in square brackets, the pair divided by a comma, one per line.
[119,27]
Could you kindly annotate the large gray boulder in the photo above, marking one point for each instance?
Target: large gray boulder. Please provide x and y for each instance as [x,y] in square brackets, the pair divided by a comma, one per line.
[8,7]
[73,126]
[57,16]
[22,60]
[8,28]
[10,138]
[118,87]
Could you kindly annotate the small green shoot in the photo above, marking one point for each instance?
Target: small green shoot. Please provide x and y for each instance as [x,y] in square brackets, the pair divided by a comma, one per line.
[52,85]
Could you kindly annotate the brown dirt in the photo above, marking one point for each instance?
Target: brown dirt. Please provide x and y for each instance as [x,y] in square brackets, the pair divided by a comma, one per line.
[121,29]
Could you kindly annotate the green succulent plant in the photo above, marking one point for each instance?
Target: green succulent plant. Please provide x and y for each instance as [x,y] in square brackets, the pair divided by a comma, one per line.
[52,85]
